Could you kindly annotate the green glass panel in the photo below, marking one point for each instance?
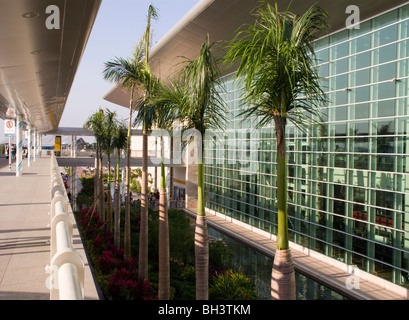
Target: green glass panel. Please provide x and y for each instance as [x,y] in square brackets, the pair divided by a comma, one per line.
[362,111]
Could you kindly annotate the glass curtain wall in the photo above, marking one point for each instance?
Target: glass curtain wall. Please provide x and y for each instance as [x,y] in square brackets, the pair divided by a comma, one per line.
[348,187]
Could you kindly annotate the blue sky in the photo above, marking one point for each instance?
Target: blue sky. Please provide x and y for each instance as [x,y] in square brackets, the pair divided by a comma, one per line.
[117,28]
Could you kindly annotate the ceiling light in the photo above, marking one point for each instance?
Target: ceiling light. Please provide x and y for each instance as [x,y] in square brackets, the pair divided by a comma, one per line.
[29,15]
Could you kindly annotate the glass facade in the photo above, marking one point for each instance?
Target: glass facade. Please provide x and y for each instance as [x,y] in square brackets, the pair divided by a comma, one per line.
[348,179]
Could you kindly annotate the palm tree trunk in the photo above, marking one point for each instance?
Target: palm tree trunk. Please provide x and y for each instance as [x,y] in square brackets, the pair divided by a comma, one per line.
[96,180]
[171,170]
[101,188]
[164,268]
[127,226]
[283,275]
[117,206]
[201,241]
[143,236]
[109,199]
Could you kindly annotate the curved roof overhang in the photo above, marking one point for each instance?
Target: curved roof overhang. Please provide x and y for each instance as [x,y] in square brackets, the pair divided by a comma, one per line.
[38,63]
[221,19]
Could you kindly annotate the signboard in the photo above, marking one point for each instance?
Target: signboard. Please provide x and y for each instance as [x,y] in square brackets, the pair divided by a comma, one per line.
[57,146]
[9,128]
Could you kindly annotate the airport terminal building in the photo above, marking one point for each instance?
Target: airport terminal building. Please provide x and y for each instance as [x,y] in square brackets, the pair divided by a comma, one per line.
[348,184]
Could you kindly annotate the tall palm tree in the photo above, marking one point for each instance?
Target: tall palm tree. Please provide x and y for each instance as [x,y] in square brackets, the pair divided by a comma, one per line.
[129,73]
[158,115]
[107,144]
[95,123]
[119,143]
[148,85]
[196,102]
[135,74]
[275,64]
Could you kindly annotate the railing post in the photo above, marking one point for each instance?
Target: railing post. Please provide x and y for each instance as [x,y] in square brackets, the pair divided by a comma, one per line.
[66,266]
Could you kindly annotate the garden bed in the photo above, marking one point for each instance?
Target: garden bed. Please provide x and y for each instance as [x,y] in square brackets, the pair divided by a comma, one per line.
[118,279]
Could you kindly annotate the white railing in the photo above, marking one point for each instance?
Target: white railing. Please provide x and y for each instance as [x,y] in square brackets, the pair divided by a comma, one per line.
[67,267]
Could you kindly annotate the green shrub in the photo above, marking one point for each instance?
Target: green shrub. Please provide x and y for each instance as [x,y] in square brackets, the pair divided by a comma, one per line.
[220,255]
[183,281]
[231,285]
[85,197]
[181,234]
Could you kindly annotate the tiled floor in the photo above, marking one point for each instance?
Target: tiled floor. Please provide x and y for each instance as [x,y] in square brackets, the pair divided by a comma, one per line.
[25,233]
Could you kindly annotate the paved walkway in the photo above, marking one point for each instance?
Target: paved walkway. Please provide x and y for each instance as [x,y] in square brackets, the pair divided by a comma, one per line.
[25,233]
[310,264]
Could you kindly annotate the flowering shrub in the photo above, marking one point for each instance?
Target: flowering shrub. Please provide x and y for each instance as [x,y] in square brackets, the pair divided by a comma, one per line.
[105,241]
[124,285]
[122,276]
[91,223]
[107,263]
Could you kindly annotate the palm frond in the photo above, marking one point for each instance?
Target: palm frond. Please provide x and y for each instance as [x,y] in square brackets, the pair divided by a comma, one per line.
[120,137]
[275,65]
[95,123]
[129,72]
[204,107]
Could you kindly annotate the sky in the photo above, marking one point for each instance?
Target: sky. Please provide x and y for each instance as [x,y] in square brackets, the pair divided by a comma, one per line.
[118,27]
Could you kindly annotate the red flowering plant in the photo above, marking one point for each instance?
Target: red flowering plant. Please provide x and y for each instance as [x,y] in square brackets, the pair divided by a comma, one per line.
[121,276]
[90,222]
[108,263]
[124,285]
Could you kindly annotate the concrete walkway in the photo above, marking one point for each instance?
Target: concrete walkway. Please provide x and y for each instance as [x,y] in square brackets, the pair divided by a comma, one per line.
[25,233]
[325,270]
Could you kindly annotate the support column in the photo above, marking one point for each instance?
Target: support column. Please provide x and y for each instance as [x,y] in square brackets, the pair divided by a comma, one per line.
[75,146]
[405,218]
[72,146]
[29,146]
[35,145]
[370,247]
[40,147]
[19,146]
[10,153]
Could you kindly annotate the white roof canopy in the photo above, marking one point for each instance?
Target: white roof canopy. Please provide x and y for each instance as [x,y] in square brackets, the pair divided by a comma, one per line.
[221,19]
[38,62]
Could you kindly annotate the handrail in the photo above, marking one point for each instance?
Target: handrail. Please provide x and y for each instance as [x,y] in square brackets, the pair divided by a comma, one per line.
[67,267]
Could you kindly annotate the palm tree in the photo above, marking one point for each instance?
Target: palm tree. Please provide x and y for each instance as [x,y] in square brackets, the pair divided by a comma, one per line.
[195,99]
[135,74]
[149,82]
[128,73]
[119,143]
[275,64]
[159,115]
[95,123]
[107,144]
